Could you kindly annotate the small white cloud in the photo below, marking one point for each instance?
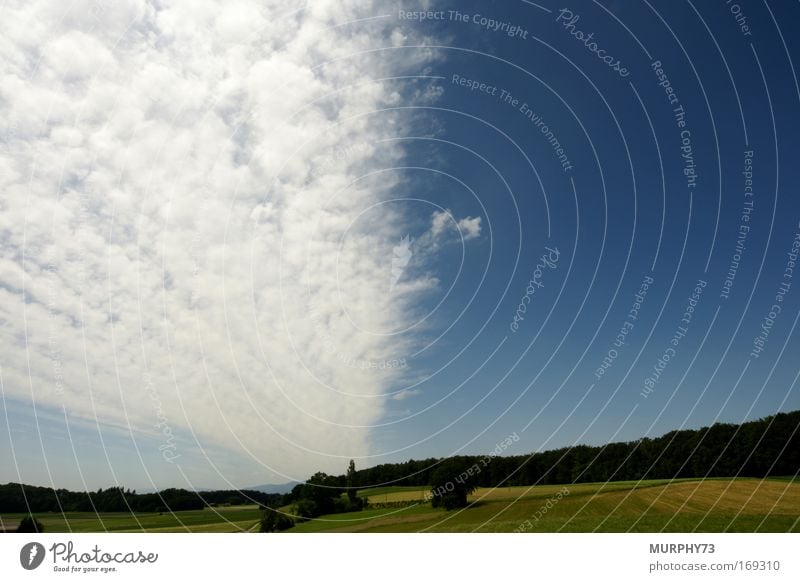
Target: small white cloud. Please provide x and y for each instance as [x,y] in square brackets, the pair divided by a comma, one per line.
[470,227]
[403,394]
[443,222]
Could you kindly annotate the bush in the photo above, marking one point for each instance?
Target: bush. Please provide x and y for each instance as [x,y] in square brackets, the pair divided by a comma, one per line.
[306,509]
[275,521]
[346,505]
[30,525]
[451,482]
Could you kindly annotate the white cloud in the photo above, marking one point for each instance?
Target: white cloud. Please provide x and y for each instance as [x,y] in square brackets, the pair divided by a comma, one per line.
[443,222]
[181,208]
[470,227]
[403,394]
[440,221]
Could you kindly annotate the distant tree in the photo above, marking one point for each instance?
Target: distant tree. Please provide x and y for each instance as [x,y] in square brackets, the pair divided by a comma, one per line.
[451,483]
[305,509]
[351,482]
[30,524]
[323,490]
[275,521]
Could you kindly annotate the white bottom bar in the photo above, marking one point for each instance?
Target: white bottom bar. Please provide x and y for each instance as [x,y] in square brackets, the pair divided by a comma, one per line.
[402,557]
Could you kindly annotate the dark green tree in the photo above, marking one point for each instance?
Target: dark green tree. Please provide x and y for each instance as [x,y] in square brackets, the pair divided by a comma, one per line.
[305,509]
[351,482]
[30,524]
[319,495]
[451,482]
[275,521]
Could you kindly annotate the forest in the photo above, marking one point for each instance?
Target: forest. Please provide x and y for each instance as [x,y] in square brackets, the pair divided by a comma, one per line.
[766,447]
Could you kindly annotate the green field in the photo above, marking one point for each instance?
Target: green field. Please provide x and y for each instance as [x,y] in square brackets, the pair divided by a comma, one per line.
[711,505]
[390,494]
[218,519]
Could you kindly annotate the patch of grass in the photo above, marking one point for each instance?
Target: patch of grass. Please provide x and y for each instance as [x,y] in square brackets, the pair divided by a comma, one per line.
[357,520]
[220,519]
[712,505]
[392,492]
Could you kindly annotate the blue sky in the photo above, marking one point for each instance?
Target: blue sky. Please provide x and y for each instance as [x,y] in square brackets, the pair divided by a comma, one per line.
[629,225]
[215,251]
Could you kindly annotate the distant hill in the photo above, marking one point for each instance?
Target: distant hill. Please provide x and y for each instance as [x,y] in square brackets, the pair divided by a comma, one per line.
[280,488]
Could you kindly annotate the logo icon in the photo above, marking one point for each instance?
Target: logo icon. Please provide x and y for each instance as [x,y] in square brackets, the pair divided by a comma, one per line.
[401,255]
[31,555]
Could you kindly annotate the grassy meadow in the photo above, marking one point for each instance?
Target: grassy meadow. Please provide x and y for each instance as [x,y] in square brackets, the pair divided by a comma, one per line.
[217,519]
[711,505]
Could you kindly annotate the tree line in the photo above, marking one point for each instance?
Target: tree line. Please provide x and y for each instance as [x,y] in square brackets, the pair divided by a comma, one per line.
[766,447]
[18,498]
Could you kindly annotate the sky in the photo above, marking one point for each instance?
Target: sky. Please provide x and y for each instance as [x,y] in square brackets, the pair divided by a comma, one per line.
[246,241]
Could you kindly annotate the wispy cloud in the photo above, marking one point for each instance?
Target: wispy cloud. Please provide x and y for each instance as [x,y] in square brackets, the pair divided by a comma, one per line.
[403,394]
